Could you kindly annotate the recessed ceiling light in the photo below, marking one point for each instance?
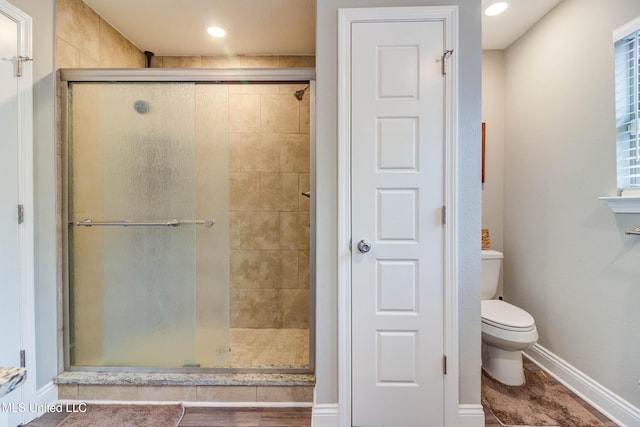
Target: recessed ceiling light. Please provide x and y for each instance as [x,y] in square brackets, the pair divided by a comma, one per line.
[216,32]
[496,8]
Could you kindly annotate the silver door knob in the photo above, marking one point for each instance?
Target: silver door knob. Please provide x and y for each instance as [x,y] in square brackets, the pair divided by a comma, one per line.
[364,246]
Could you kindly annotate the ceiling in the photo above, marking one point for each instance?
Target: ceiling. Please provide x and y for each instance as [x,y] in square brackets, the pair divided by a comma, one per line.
[178,27]
[259,27]
[498,32]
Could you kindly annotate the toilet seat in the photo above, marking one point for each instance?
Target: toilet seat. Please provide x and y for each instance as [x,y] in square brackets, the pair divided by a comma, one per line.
[502,315]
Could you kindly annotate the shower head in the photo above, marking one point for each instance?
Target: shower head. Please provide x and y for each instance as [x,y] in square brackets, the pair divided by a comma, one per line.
[299,94]
[141,107]
[149,55]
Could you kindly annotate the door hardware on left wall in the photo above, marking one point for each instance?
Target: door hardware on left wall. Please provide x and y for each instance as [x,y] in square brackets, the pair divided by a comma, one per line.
[19,61]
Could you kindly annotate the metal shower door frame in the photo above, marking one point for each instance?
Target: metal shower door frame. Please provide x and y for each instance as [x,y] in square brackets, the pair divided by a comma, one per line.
[164,75]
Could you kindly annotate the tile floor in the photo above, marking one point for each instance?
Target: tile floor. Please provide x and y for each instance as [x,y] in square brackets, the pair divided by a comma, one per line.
[220,417]
[491,421]
[296,417]
[249,417]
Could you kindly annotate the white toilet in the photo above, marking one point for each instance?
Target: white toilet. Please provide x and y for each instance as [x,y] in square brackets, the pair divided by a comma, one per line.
[507,330]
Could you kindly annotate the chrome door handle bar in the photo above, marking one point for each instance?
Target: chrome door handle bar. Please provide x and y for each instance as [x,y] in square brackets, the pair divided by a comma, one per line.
[171,223]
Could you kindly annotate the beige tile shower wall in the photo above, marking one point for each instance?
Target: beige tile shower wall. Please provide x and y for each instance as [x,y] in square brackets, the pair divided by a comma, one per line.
[85,40]
[248,61]
[269,218]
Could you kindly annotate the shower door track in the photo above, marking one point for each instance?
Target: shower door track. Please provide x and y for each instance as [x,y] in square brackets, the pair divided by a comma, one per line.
[199,75]
[222,75]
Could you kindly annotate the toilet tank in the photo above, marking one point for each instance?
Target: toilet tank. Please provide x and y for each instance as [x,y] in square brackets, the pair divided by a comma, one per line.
[491,263]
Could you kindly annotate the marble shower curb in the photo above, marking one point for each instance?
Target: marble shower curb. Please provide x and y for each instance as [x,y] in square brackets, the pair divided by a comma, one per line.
[184,379]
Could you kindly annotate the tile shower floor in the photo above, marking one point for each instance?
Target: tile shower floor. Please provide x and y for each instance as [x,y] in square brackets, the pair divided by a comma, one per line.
[269,348]
[248,348]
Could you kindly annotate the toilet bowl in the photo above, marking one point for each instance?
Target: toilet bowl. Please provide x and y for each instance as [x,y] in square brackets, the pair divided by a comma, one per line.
[507,330]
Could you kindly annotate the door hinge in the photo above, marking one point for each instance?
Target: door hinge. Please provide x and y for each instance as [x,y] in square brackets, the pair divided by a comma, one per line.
[23,359]
[444,364]
[445,55]
[19,61]
[20,214]
[444,215]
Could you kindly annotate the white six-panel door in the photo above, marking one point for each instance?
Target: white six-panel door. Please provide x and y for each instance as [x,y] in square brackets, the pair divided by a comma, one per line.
[9,228]
[397,193]
[16,188]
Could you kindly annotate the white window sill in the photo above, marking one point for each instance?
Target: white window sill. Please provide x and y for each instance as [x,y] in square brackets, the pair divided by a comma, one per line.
[623,204]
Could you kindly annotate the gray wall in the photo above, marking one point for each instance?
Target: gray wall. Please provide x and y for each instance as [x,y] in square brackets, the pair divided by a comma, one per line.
[469,203]
[567,260]
[493,111]
[42,12]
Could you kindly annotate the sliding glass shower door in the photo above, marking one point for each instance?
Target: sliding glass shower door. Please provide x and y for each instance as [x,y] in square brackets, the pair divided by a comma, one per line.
[148,226]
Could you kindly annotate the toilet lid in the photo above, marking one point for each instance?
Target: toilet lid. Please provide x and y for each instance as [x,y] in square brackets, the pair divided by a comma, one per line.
[503,315]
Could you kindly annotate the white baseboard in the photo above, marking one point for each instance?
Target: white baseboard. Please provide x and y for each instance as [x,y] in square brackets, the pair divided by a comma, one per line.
[45,397]
[47,394]
[325,415]
[608,403]
[245,404]
[470,415]
[194,404]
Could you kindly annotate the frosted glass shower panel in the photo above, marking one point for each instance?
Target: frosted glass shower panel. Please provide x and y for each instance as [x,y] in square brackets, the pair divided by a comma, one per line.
[140,140]
[149,271]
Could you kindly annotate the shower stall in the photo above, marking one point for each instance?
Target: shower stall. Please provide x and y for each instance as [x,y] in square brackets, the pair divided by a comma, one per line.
[188,212]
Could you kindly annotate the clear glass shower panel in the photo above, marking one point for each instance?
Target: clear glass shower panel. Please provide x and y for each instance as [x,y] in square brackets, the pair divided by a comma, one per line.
[133,154]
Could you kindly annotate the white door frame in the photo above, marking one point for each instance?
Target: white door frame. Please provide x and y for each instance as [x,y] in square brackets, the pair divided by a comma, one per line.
[25,195]
[448,15]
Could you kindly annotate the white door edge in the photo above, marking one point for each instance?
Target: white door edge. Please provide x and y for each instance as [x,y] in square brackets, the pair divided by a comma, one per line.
[25,194]
[449,16]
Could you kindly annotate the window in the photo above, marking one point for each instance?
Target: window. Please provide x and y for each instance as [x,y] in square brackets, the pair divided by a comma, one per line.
[627,80]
